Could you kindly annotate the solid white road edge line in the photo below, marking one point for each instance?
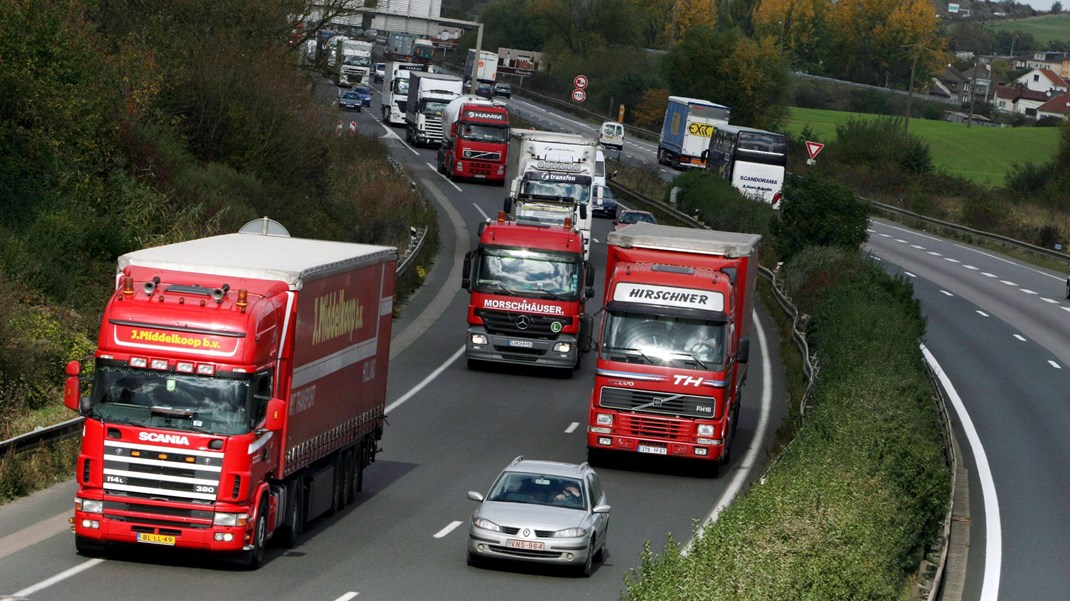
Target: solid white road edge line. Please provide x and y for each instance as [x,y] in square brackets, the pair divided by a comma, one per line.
[444,178]
[26,592]
[993,532]
[756,444]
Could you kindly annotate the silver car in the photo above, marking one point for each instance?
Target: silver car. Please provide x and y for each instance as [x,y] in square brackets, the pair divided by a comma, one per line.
[541,512]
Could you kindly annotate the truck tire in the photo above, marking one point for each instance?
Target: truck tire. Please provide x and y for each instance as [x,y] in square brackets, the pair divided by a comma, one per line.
[254,557]
[290,532]
[90,547]
[661,156]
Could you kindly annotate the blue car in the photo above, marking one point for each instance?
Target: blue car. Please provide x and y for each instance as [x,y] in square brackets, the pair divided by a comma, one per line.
[349,100]
[608,206]
[365,94]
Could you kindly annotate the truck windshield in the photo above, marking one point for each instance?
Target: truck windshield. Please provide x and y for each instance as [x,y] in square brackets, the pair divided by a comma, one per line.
[168,400]
[665,340]
[522,272]
[484,133]
[432,107]
[580,193]
[359,61]
[401,86]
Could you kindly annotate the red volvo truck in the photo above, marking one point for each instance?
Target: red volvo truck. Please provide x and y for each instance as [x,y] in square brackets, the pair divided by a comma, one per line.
[673,349]
[475,140]
[238,391]
[528,285]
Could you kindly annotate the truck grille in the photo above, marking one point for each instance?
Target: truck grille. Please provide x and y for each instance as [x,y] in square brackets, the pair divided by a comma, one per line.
[482,155]
[656,428]
[518,324]
[141,471]
[433,128]
[664,403]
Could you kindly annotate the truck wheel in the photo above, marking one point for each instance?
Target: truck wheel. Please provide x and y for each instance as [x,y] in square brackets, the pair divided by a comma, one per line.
[255,556]
[661,156]
[294,524]
[89,547]
[343,481]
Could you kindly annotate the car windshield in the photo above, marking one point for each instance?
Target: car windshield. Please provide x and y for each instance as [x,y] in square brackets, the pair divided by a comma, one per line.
[176,401]
[351,95]
[362,90]
[637,217]
[665,340]
[538,489]
[521,271]
[484,133]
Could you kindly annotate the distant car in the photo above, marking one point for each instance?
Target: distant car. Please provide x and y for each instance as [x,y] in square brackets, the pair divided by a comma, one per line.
[629,216]
[485,90]
[380,72]
[503,89]
[611,135]
[608,207]
[350,100]
[365,94]
[541,512]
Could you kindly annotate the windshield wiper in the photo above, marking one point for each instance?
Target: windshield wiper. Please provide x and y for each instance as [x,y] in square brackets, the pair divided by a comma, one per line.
[548,293]
[172,412]
[499,287]
[622,349]
[692,357]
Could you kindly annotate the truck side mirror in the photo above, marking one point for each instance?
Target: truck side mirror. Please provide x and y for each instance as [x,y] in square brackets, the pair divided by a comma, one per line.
[72,387]
[588,292]
[583,211]
[466,271]
[276,415]
[744,350]
[508,206]
[589,278]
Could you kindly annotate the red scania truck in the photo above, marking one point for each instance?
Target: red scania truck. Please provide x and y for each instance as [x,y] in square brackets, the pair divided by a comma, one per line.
[475,140]
[238,391]
[674,343]
[528,284]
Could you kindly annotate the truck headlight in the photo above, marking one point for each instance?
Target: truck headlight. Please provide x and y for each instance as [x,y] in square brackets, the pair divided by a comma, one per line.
[705,429]
[603,419]
[230,520]
[562,347]
[479,339]
[89,505]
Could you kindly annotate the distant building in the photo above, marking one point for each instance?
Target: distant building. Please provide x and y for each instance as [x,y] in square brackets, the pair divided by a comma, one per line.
[1056,106]
[1044,80]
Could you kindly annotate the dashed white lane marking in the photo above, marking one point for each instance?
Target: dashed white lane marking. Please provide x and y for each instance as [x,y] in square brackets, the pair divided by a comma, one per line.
[934,253]
[946,293]
[348,596]
[950,260]
[78,569]
[1054,364]
[1009,283]
[982,313]
[572,427]
[449,528]
[988,275]
[1020,337]
[910,275]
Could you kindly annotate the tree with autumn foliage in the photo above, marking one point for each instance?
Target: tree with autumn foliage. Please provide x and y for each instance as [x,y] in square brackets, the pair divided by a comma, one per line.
[729,68]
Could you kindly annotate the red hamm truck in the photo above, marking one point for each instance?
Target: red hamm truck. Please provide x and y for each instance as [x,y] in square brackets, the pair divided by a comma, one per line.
[238,391]
[528,285]
[674,343]
[475,140]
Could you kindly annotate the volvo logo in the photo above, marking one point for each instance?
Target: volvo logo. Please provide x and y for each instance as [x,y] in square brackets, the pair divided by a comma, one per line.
[523,322]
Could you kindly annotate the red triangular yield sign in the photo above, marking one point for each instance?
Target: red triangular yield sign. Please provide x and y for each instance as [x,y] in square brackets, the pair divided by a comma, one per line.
[813,148]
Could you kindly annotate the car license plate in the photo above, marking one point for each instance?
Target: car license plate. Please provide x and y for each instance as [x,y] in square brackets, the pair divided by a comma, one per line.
[529,545]
[645,448]
[521,343]
[156,539]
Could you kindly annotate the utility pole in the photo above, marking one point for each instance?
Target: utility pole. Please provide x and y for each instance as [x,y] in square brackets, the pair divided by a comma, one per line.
[910,88]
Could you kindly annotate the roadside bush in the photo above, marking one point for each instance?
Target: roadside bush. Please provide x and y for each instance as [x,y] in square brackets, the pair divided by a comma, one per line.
[720,206]
[1029,178]
[847,510]
[881,143]
[819,211]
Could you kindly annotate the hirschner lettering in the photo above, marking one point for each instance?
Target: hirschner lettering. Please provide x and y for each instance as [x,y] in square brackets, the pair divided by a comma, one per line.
[669,296]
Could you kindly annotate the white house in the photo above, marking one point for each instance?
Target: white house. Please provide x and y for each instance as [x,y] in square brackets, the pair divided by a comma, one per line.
[1044,80]
[1057,106]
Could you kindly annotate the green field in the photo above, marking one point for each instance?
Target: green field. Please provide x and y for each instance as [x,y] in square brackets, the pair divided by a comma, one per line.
[980,154]
[1044,28]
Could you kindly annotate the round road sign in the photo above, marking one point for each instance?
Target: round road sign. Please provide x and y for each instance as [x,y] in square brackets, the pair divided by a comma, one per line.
[580,81]
[579,95]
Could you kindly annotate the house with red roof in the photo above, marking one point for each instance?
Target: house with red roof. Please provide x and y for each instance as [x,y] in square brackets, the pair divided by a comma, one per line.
[1044,80]
[1056,106]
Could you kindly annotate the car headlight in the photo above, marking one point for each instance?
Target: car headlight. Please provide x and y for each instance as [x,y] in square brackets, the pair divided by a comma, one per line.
[230,519]
[486,524]
[570,533]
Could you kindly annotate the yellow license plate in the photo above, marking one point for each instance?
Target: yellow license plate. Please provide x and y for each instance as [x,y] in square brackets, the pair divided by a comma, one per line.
[156,539]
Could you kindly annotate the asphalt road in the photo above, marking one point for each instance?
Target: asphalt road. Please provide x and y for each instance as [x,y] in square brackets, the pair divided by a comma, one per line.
[1000,330]
[450,431]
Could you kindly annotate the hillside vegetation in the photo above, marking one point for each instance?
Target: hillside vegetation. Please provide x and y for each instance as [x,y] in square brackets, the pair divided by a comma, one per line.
[982,155]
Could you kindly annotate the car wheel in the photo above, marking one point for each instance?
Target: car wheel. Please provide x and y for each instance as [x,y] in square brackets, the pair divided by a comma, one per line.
[588,566]
[474,560]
